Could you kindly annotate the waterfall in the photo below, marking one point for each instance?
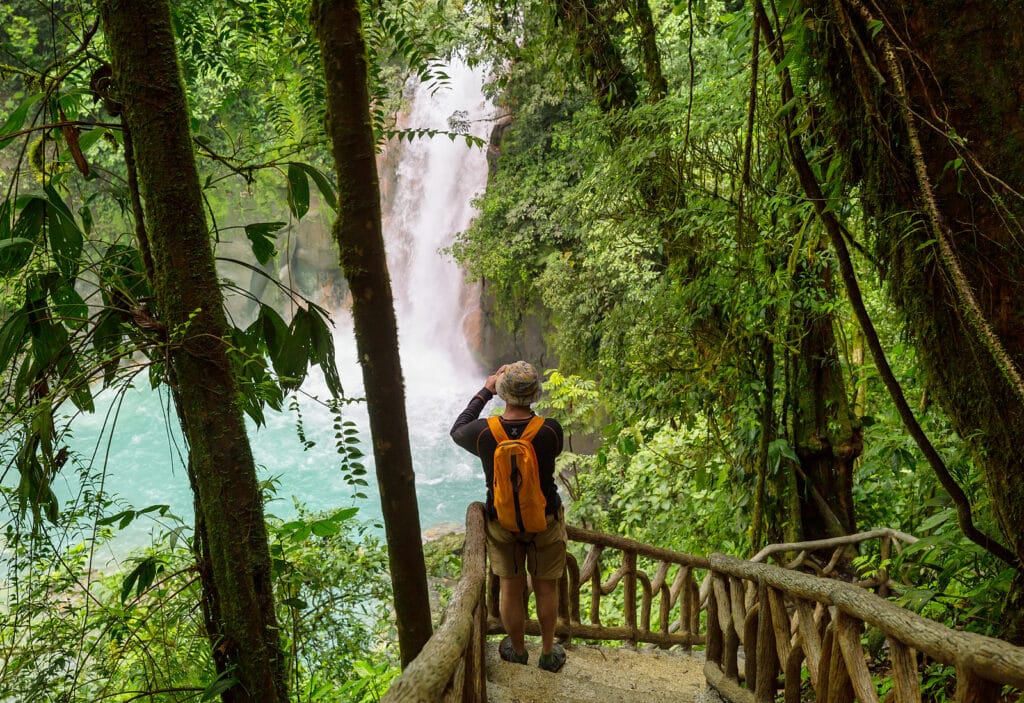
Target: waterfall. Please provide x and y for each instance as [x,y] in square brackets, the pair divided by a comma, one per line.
[427,188]
[430,200]
[431,182]
[435,182]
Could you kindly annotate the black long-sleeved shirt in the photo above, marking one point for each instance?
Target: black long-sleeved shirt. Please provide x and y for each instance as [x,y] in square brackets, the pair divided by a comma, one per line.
[472,434]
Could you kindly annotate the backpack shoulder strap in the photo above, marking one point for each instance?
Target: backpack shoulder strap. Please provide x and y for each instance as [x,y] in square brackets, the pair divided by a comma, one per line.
[494,423]
[532,428]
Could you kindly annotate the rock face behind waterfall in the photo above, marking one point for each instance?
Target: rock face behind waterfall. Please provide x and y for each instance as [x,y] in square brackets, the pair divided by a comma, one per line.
[306,261]
[492,341]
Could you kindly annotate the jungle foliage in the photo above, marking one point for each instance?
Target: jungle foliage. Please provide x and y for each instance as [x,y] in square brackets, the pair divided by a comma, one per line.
[669,241]
[82,317]
[681,196]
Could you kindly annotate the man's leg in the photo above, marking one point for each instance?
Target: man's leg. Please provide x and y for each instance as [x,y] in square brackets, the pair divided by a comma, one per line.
[513,613]
[546,591]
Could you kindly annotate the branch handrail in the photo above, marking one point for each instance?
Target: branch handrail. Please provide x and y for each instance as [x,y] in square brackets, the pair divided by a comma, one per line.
[788,622]
[450,667]
[821,628]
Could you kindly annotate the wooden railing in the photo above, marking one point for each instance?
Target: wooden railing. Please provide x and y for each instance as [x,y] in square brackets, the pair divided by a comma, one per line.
[880,581]
[803,627]
[788,622]
[673,588]
[450,666]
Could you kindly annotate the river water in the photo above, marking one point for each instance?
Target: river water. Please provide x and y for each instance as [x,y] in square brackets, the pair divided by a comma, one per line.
[435,181]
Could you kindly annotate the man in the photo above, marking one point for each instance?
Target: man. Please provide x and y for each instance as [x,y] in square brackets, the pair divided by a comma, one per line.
[512,554]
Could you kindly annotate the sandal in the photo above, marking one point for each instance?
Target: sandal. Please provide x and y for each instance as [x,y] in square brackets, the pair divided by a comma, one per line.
[508,652]
[554,660]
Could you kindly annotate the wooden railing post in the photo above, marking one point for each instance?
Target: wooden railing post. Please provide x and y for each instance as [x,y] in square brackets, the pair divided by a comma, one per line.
[479,650]
[905,683]
[730,640]
[629,594]
[971,688]
[750,625]
[765,649]
[564,613]
[715,644]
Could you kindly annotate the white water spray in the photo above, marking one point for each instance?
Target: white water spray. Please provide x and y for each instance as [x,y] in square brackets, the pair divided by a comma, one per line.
[429,202]
[436,180]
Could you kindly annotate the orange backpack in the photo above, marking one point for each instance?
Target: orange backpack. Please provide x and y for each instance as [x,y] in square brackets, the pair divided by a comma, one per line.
[518,498]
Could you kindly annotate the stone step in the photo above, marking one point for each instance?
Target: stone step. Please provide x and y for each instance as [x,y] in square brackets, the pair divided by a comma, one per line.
[593,673]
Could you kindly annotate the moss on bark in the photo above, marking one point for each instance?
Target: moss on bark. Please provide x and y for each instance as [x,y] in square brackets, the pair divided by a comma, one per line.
[361,250]
[961,66]
[188,298]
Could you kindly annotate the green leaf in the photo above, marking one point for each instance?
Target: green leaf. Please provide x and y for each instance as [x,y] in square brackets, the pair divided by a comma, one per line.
[69,306]
[261,234]
[325,528]
[141,577]
[298,190]
[322,183]
[214,690]
[66,241]
[322,348]
[14,243]
[90,137]
[790,105]
[301,533]
[12,335]
[780,447]
[275,332]
[17,119]
[294,357]
[28,228]
[344,514]
[939,518]
[111,519]
[86,214]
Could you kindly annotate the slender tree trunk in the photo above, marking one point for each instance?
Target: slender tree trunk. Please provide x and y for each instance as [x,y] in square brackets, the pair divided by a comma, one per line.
[188,298]
[757,521]
[648,35]
[361,246]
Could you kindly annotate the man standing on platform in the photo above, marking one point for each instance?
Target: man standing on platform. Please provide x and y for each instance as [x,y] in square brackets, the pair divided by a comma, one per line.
[513,553]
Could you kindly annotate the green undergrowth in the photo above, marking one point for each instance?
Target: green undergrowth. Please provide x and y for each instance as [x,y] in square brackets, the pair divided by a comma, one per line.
[74,629]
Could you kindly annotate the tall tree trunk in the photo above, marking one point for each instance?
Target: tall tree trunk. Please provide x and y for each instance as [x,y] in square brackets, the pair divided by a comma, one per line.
[361,246]
[229,504]
[940,82]
[826,436]
[608,78]
[767,422]
[648,38]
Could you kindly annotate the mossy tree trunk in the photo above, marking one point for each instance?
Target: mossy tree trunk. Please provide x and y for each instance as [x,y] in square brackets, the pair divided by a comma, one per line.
[361,245]
[640,11]
[609,79]
[826,437]
[927,106]
[229,503]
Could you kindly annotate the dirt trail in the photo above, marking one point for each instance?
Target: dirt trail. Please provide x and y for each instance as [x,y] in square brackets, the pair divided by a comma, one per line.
[597,674]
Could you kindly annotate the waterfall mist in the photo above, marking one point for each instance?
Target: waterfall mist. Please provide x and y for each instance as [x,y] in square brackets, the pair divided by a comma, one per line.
[426,201]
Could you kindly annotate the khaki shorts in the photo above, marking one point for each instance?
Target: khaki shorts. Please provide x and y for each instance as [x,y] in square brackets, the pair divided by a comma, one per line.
[512,554]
